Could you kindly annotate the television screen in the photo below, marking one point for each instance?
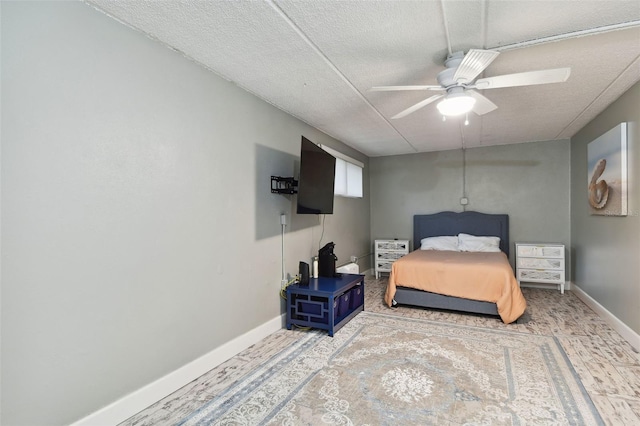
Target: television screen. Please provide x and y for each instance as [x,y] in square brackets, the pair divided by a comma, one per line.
[316,181]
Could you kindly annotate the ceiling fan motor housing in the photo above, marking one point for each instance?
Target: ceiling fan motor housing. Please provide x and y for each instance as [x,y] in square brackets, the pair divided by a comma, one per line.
[445,77]
[454,59]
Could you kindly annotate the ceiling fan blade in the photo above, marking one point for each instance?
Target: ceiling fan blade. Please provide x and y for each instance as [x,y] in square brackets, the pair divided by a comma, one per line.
[530,78]
[394,88]
[483,105]
[474,62]
[417,106]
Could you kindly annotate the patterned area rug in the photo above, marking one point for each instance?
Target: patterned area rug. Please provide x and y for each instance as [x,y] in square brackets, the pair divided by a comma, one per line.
[380,369]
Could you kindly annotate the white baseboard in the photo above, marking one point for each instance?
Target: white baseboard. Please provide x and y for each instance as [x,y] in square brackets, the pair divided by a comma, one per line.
[137,401]
[625,331]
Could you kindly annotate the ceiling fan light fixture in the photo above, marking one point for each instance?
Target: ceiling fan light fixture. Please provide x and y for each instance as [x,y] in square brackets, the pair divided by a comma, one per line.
[456,104]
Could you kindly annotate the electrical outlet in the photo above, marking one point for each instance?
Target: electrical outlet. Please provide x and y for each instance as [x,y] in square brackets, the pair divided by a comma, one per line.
[464,201]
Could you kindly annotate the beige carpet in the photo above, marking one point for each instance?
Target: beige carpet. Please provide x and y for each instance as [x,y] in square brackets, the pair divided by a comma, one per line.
[380,369]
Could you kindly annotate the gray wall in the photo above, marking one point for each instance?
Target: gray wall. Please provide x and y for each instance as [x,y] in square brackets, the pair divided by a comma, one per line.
[138,230]
[607,249]
[529,182]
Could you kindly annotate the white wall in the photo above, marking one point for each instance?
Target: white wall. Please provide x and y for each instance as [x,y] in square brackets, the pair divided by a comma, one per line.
[606,248]
[138,230]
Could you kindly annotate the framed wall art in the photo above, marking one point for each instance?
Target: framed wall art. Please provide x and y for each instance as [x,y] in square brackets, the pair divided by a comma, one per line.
[607,173]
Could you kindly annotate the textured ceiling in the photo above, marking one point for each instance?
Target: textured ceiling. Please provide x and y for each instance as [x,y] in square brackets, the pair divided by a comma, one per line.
[317,59]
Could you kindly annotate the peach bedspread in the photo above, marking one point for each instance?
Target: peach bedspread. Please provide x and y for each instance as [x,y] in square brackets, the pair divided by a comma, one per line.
[487,277]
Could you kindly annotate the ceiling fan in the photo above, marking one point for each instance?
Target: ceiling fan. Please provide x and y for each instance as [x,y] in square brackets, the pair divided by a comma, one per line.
[457,81]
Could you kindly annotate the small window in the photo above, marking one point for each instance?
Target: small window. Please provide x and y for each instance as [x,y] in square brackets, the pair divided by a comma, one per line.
[348,175]
[348,179]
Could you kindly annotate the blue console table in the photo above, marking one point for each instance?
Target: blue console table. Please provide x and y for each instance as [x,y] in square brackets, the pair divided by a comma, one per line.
[326,303]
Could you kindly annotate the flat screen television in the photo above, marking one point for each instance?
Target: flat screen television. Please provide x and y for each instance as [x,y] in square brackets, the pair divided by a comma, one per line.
[316,181]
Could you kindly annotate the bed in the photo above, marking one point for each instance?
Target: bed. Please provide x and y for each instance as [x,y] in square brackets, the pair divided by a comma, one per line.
[503,297]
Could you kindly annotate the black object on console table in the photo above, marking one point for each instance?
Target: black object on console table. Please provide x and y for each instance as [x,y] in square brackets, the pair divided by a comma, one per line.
[327,261]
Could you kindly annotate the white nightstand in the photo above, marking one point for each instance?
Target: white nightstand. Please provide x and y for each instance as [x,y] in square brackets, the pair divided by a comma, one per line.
[387,252]
[540,263]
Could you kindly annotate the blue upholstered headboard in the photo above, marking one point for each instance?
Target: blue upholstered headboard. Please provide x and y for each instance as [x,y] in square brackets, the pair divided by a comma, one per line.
[452,223]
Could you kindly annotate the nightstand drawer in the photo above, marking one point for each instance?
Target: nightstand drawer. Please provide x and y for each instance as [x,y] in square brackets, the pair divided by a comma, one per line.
[389,255]
[540,251]
[540,263]
[541,276]
[382,266]
[393,245]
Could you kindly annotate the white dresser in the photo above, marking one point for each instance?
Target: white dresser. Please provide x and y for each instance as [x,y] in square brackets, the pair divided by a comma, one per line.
[540,263]
[387,252]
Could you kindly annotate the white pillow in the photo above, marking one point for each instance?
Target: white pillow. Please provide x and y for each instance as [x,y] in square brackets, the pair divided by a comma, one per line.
[439,243]
[468,242]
